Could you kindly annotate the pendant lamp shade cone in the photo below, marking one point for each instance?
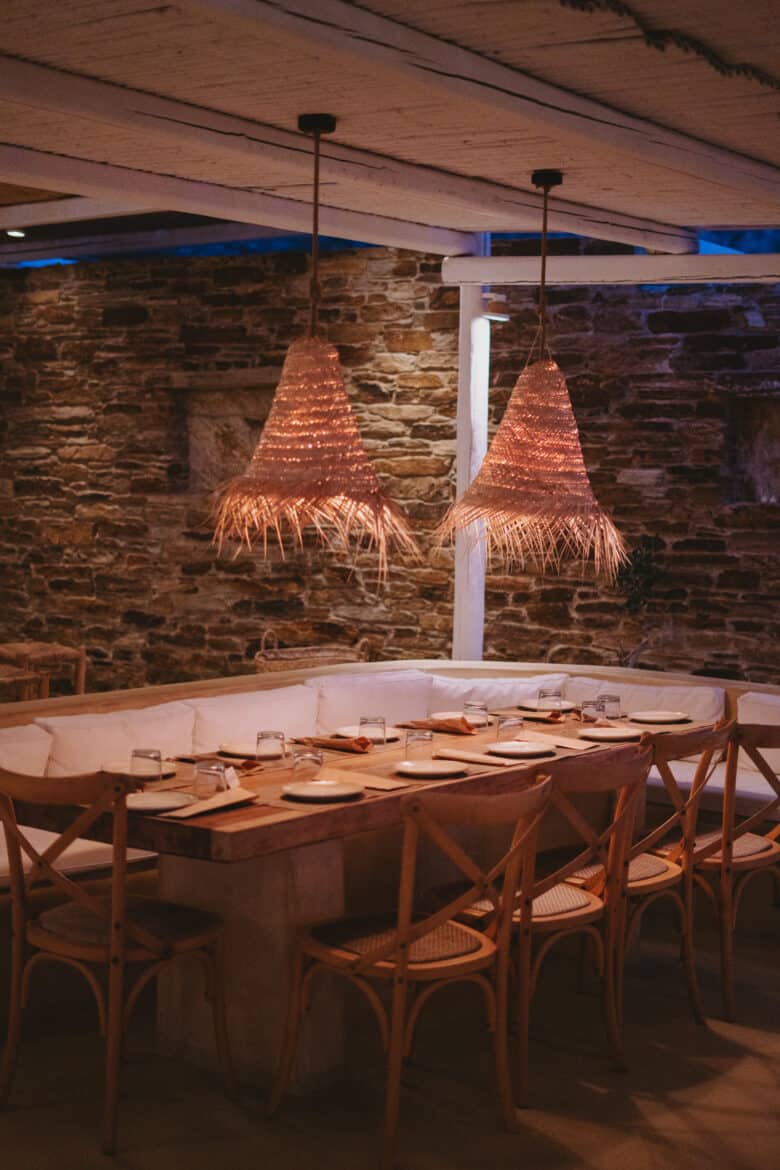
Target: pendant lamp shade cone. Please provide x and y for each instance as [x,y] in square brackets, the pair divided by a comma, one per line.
[310,468]
[532,498]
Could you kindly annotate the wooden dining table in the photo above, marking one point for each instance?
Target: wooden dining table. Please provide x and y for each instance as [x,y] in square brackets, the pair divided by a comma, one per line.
[273,865]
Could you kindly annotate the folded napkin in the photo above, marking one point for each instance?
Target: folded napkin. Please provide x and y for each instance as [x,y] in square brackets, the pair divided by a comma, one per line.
[545,716]
[459,726]
[216,803]
[473,758]
[359,743]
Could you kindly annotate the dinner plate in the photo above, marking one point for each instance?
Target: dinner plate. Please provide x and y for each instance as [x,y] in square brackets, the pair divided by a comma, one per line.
[270,749]
[143,768]
[611,734]
[158,802]
[459,715]
[521,749]
[391,733]
[430,769]
[660,716]
[536,705]
[322,791]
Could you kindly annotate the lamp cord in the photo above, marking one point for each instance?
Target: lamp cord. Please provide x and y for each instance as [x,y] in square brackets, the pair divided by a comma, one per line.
[542,310]
[314,287]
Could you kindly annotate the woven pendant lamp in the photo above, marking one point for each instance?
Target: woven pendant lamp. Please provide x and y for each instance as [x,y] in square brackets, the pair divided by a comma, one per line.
[309,468]
[531,500]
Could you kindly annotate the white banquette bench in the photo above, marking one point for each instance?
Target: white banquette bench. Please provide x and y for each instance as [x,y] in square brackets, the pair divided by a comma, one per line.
[65,736]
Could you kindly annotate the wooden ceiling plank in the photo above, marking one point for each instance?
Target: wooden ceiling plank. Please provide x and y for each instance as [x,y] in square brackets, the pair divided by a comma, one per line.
[221,134]
[356,32]
[637,269]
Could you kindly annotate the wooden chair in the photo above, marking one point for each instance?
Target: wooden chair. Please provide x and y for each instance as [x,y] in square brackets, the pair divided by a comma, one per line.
[100,937]
[419,954]
[659,870]
[735,854]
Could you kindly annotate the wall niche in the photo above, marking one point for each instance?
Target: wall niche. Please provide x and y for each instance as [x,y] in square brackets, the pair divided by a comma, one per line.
[753,449]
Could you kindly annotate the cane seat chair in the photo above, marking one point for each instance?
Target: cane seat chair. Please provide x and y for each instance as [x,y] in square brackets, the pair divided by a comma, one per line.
[416,954]
[736,853]
[117,943]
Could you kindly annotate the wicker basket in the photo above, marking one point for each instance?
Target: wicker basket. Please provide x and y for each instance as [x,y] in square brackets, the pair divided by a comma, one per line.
[270,657]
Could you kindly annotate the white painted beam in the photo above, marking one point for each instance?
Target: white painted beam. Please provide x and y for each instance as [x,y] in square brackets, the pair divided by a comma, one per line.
[359,33]
[223,135]
[706,269]
[69,210]
[19,164]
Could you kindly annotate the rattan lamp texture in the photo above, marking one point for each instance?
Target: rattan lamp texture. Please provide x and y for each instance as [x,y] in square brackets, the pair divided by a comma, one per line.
[310,468]
[531,500]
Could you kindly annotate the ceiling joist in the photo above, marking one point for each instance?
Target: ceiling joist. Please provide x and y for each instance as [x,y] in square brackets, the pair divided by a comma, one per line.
[588,270]
[69,210]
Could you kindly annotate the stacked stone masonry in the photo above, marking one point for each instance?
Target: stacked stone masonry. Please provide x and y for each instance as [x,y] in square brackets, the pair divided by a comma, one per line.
[131,388]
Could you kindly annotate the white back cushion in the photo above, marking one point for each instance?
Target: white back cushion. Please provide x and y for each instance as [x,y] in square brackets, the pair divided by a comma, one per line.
[168,726]
[398,695]
[755,707]
[83,743]
[449,694]
[701,703]
[25,749]
[238,718]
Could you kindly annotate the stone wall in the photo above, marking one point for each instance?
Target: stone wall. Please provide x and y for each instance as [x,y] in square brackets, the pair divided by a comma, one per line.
[131,388]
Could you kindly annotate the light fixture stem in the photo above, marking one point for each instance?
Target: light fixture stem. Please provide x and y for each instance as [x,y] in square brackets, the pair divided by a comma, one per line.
[315,241]
[543,280]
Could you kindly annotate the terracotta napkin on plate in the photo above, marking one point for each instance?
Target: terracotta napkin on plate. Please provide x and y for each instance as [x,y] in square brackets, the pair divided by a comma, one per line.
[338,743]
[459,726]
[544,716]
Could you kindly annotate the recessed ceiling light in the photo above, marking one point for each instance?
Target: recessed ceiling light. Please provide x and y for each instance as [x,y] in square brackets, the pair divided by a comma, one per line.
[16,233]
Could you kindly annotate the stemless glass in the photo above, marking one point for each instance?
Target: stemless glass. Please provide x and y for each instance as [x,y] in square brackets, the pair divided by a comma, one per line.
[550,698]
[476,712]
[209,778]
[373,727]
[146,762]
[611,706]
[418,745]
[270,745]
[508,727]
[306,765]
[591,710]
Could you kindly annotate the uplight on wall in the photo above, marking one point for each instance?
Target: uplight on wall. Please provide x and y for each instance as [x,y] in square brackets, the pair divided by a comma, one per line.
[15,233]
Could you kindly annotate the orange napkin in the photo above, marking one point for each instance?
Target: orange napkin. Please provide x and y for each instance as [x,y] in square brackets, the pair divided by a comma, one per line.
[544,716]
[459,726]
[360,743]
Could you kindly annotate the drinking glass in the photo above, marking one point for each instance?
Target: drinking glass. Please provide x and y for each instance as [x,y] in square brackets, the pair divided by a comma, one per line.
[146,762]
[306,765]
[418,745]
[550,698]
[591,710]
[373,727]
[476,712]
[209,778]
[270,745]
[611,705]
[508,727]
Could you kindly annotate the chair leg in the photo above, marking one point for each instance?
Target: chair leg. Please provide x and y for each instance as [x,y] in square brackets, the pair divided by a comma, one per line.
[114,1034]
[15,1010]
[395,1056]
[216,995]
[523,1018]
[612,992]
[291,1034]
[726,907]
[686,906]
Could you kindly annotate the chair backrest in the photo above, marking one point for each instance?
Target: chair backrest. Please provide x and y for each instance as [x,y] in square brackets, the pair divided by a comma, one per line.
[90,797]
[751,738]
[708,743]
[428,816]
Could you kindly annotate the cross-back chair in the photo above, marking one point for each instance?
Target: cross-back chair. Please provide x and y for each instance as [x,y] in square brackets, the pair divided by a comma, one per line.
[659,869]
[735,854]
[99,937]
[419,953]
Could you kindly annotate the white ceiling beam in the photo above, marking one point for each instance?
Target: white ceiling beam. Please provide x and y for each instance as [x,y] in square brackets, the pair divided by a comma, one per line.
[364,35]
[25,167]
[223,135]
[69,210]
[588,270]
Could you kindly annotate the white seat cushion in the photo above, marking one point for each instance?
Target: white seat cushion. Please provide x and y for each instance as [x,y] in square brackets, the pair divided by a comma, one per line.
[449,694]
[397,694]
[25,749]
[79,857]
[756,707]
[704,704]
[753,792]
[83,743]
[239,717]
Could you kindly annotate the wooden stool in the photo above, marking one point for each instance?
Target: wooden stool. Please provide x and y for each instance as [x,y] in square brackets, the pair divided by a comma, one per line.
[45,659]
[26,683]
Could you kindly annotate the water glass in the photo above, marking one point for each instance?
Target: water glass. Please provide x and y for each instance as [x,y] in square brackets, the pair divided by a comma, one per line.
[306,765]
[550,698]
[611,705]
[373,727]
[146,762]
[209,778]
[418,745]
[270,745]
[508,727]
[591,710]
[476,712]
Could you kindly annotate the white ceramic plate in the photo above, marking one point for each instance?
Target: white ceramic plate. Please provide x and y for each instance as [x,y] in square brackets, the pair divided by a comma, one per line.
[660,716]
[322,791]
[520,749]
[611,734]
[391,733]
[430,769]
[535,705]
[142,768]
[269,749]
[158,802]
